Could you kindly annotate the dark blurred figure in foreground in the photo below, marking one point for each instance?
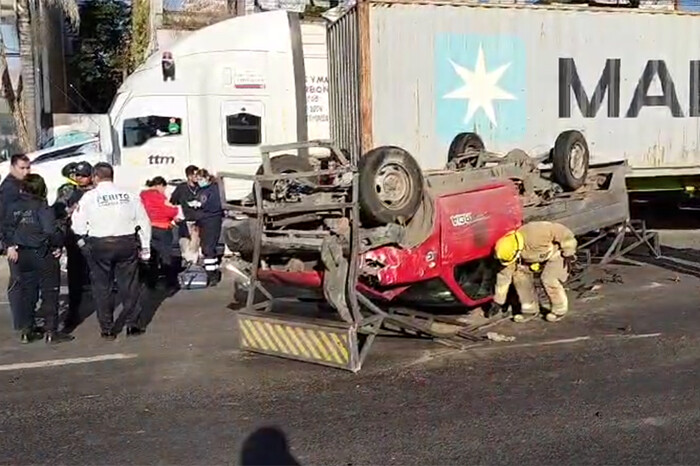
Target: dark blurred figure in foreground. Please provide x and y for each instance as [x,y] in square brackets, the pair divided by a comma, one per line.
[34,242]
[267,446]
[80,302]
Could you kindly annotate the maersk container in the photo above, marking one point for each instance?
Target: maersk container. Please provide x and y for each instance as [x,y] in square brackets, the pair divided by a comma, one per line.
[416,74]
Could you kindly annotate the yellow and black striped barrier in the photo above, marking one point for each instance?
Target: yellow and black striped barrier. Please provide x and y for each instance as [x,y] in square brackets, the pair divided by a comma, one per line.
[318,341]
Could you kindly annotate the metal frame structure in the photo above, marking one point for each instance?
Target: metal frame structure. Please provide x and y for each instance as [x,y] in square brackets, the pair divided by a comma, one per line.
[592,247]
[337,343]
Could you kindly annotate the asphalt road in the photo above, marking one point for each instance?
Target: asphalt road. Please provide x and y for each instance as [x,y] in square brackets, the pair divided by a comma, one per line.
[614,383]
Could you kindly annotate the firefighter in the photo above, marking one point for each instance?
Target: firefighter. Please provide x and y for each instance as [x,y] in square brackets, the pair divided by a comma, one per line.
[80,302]
[538,247]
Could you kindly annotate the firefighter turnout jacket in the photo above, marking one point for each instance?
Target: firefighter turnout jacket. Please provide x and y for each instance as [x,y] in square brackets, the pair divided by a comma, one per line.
[541,241]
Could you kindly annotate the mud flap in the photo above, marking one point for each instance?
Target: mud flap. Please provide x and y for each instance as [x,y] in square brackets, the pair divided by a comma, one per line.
[336,276]
[326,342]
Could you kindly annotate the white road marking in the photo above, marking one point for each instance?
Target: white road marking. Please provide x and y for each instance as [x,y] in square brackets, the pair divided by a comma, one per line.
[567,340]
[634,337]
[65,362]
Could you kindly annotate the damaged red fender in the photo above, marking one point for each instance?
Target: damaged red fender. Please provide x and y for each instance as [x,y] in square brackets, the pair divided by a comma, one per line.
[466,226]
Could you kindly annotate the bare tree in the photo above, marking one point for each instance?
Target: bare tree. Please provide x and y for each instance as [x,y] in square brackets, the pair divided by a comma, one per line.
[22,99]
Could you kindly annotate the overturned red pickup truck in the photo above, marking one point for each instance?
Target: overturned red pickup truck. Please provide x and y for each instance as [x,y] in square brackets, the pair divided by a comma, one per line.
[425,237]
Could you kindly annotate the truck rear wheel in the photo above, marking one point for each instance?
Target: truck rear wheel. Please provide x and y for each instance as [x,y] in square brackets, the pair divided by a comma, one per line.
[462,145]
[391,186]
[570,159]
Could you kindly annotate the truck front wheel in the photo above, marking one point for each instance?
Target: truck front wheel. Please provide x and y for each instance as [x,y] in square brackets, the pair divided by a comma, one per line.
[391,186]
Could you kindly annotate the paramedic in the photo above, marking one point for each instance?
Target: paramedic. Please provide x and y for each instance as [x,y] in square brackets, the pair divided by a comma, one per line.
[546,247]
[80,302]
[162,215]
[9,193]
[210,218]
[110,222]
[34,245]
[184,195]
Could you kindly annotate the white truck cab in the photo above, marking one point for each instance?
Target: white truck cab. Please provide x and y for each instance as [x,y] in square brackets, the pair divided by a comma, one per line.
[211,100]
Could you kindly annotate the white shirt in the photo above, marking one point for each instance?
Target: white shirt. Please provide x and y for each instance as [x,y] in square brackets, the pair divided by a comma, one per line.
[110,211]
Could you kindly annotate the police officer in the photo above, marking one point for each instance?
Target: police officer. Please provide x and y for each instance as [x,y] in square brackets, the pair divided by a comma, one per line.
[34,246]
[9,193]
[80,302]
[115,229]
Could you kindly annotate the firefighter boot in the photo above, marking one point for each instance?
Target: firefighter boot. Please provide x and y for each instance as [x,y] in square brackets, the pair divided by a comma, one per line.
[553,277]
[524,284]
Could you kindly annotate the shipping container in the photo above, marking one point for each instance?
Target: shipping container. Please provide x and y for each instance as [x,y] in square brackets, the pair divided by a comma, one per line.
[416,74]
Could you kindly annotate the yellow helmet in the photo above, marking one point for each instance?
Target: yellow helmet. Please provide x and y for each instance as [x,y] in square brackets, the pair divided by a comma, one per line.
[508,247]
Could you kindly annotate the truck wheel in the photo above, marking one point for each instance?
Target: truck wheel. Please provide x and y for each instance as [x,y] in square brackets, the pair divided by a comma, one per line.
[238,236]
[462,144]
[570,160]
[391,186]
[285,163]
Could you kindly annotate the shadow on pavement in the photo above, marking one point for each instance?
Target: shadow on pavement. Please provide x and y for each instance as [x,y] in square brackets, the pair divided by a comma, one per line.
[679,260]
[267,446]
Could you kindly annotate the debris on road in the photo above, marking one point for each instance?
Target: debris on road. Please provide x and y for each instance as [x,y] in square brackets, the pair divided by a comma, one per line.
[495,336]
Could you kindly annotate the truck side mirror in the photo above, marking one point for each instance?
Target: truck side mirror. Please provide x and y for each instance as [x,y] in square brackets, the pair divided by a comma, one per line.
[168,66]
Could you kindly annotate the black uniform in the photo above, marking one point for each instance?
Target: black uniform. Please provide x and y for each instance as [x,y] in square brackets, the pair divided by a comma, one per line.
[9,193]
[109,218]
[80,301]
[183,194]
[30,225]
[210,218]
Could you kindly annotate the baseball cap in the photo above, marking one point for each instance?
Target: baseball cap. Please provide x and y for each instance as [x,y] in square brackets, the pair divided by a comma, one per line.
[83,169]
[69,169]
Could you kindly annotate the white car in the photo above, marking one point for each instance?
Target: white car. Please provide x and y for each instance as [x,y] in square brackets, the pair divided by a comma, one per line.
[49,162]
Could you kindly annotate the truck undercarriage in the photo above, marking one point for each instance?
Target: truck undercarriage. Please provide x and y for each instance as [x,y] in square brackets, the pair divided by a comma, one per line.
[378,241]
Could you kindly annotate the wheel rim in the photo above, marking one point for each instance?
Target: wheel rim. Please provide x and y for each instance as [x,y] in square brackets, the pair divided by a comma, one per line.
[577,160]
[393,186]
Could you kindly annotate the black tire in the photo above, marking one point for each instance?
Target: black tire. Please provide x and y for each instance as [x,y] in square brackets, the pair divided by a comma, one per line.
[383,162]
[285,163]
[570,169]
[238,237]
[462,142]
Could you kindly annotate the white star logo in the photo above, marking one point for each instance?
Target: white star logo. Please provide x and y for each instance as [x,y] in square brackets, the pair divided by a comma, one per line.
[480,87]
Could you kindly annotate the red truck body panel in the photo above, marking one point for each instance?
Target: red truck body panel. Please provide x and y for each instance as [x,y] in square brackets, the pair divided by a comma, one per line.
[466,226]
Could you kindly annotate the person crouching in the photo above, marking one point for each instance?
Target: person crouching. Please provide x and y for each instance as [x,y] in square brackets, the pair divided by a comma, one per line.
[162,215]
[35,239]
[544,248]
